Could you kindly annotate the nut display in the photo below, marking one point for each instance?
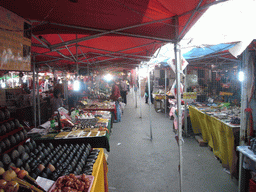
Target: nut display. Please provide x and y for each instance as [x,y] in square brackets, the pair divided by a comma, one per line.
[51,161]
[45,160]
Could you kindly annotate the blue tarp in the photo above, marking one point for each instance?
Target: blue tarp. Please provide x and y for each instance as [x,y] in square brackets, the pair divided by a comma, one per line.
[194,53]
[200,52]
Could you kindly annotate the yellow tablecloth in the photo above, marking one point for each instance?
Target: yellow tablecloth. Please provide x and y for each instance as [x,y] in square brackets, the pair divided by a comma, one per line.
[220,136]
[100,170]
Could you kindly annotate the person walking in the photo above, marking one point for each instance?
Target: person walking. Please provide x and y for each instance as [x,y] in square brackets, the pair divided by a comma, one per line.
[147,92]
[115,96]
[124,90]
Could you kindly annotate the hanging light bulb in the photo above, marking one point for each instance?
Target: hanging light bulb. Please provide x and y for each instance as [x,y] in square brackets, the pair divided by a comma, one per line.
[108,77]
[241,76]
[76,85]
[3,85]
[24,78]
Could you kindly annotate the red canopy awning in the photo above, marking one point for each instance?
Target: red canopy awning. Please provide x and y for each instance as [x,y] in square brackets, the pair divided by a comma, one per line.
[96,33]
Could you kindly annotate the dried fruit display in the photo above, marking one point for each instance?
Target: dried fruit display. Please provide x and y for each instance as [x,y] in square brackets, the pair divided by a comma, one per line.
[72,183]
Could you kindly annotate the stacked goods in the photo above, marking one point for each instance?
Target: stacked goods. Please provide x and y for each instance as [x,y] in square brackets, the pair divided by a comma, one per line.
[11,131]
[22,160]
[51,161]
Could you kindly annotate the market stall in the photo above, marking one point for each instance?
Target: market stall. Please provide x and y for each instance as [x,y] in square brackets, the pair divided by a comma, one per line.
[93,128]
[47,160]
[98,105]
[136,44]
[221,135]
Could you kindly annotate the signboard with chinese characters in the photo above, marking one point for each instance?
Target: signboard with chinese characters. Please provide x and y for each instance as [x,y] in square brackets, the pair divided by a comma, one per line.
[15,42]
[190,95]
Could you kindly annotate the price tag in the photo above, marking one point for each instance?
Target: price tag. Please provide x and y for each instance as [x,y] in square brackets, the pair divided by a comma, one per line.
[44,183]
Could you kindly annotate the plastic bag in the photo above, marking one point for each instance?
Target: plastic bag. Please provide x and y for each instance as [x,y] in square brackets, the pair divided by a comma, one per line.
[122,105]
[174,89]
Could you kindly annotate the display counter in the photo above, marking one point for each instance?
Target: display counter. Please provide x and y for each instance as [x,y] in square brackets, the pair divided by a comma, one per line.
[95,108]
[97,105]
[96,141]
[222,137]
[112,110]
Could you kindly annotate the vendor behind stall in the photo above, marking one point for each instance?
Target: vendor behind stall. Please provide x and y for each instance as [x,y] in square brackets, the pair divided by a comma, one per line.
[25,88]
[57,100]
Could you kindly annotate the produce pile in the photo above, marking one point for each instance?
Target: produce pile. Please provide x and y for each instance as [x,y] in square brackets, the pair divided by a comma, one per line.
[72,183]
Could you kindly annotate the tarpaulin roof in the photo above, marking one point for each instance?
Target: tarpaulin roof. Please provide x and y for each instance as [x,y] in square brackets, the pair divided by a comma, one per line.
[111,33]
[209,54]
[212,55]
[203,51]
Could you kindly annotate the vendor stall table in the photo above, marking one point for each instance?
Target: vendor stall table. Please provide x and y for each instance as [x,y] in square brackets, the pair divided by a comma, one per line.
[160,102]
[248,163]
[112,110]
[221,136]
[99,109]
[99,172]
[96,142]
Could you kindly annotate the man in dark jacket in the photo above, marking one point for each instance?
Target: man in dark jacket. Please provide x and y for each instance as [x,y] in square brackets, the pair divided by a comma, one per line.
[147,92]
[123,90]
[115,97]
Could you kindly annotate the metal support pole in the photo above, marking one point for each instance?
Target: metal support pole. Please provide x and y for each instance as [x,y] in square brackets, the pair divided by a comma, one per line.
[65,83]
[140,91]
[136,106]
[149,101]
[185,112]
[178,71]
[244,101]
[34,90]
[165,83]
[88,70]
[77,57]
[136,89]
[38,99]
[12,80]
